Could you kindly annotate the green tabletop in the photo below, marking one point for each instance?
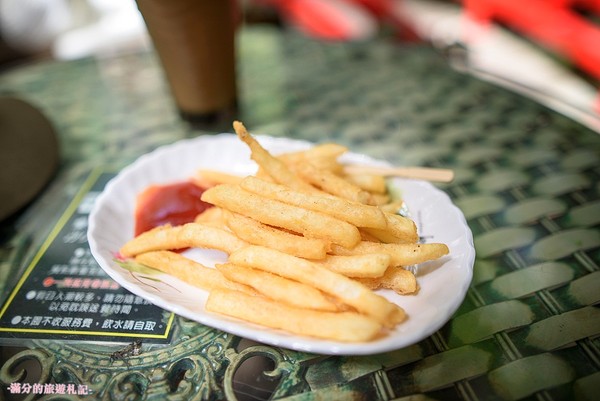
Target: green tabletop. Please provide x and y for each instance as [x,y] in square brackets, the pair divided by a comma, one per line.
[527,180]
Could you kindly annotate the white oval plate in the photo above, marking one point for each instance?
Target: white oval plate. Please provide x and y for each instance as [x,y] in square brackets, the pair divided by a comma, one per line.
[443,283]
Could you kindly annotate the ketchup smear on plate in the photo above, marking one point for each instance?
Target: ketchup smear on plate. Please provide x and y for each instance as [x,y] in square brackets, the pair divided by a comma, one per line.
[174,204]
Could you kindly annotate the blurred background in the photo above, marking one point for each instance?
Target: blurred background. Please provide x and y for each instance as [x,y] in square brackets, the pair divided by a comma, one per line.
[548,50]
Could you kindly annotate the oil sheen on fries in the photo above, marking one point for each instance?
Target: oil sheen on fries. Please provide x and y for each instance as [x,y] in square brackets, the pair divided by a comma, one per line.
[346,290]
[257,233]
[189,235]
[369,265]
[275,213]
[358,214]
[401,254]
[274,167]
[341,326]
[279,288]
[190,271]
[396,278]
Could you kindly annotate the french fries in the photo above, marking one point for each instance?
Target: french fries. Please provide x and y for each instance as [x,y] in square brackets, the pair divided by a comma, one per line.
[375,184]
[257,233]
[308,244]
[190,235]
[208,178]
[194,273]
[358,214]
[340,326]
[348,291]
[323,157]
[279,288]
[400,254]
[213,216]
[332,183]
[275,213]
[396,278]
[371,265]
[274,167]
[398,229]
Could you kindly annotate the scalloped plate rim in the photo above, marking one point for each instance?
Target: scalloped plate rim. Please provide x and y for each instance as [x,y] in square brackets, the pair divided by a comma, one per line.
[460,261]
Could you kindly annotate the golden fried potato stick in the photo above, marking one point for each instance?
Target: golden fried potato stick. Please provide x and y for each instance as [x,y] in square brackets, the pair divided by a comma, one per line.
[348,291]
[401,254]
[269,163]
[384,236]
[337,326]
[322,151]
[378,199]
[369,182]
[190,235]
[207,178]
[213,216]
[190,271]
[274,213]
[398,279]
[332,183]
[370,265]
[278,288]
[393,207]
[399,230]
[257,233]
[402,227]
[322,156]
[358,214]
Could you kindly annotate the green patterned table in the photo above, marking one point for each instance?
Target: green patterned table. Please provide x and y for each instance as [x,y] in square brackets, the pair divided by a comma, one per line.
[527,179]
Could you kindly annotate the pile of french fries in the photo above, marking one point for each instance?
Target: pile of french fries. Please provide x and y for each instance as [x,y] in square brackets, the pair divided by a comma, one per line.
[308,246]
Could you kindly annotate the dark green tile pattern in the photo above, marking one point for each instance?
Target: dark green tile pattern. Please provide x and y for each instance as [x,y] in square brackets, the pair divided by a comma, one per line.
[527,181]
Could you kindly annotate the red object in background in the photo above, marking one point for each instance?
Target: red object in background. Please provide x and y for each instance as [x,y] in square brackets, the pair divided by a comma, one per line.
[552,23]
[328,19]
[342,20]
[48,281]
[174,204]
[379,8]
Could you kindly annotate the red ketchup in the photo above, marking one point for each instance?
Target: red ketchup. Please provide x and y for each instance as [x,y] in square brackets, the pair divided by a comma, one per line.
[174,204]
